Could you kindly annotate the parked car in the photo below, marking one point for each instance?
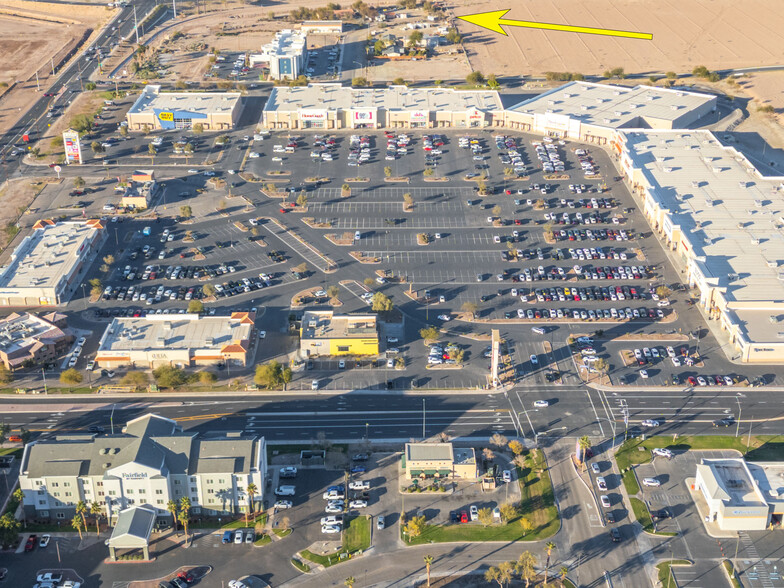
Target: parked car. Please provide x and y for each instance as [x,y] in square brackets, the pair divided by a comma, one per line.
[226,537]
[605,501]
[31,542]
[651,482]
[474,512]
[615,534]
[380,522]
[44,542]
[283,504]
[661,452]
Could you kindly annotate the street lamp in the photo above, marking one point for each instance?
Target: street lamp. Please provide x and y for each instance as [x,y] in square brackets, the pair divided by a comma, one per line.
[737,428]
[536,435]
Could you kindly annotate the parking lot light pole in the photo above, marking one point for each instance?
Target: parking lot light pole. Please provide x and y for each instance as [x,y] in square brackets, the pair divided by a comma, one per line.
[423,419]
[536,436]
[737,428]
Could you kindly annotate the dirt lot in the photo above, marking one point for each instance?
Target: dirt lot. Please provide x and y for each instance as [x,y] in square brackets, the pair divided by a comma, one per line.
[15,197]
[765,89]
[31,34]
[84,103]
[718,34]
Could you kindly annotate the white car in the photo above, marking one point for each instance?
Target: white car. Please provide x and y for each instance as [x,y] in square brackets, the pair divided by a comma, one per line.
[661,452]
[474,512]
[444,317]
[541,404]
[605,501]
[602,483]
[331,509]
[329,529]
[652,482]
[281,504]
[262,334]
[358,504]
[650,423]
[359,485]
[333,495]
[644,374]
[506,475]
[253,155]
[534,360]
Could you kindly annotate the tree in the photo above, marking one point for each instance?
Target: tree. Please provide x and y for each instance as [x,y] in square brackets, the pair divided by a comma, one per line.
[187,151]
[198,128]
[387,172]
[415,526]
[488,454]
[5,428]
[499,440]
[252,490]
[493,574]
[601,365]
[508,511]
[270,375]
[96,288]
[18,496]
[302,200]
[430,333]
[71,377]
[408,199]
[564,571]
[185,211]
[428,562]
[526,525]
[453,36]
[6,376]
[496,210]
[398,82]
[369,282]
[76,523]
[475,77]
[195,307]
[79,182]
[415,38]
[184,515]
[515,447]
[123,131]
[428,171]
[526,566]
[169,376]
[671,75]
[492,82]
[381,303]
[135,378]
[153,151]
[172,507]
[485,516]
[96,510]
[81,510]
[350,581]
[663,292]
[208,289]
[108,259]
[96,147]
[359,82]
[548,549]
[9,529]
[506,570]
[470,308]
[585,444]
[90,86]
[333,291]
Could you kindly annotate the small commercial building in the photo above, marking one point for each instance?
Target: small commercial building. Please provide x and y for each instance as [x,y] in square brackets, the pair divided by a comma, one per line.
[285,55]
[334,106]
[439,460]
[723,219]
[181,340]
[742,496]
[591,112]
[140,191]
[326,333]
[150,462]
[28,340]
[48,265]
[321,27]
[155,110]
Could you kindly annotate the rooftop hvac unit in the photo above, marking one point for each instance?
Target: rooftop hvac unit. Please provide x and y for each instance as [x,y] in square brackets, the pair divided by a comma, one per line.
[708,202]
[607,120]
[617,92]
[583,107]
[743,183]
[674,107]
[650,97]
[695,184]
[551,102]
[758,203]
[716,169]
[772,264]
[668,169]
[755,241]
[618,113]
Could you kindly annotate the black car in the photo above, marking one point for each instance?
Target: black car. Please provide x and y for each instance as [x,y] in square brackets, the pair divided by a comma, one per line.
[615,535]
[96,429]
[455,516]
[360,457]
[722,422]
[658,515]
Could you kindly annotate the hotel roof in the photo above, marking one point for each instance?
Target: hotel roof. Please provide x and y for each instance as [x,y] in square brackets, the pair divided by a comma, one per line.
[152,99]
[48,254]
[336,96]
[732,215]
[613,106]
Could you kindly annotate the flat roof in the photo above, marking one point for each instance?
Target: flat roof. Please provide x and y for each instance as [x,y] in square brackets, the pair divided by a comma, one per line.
[725,208]
[175,332]
[152,99]
[48,254]
[734,482]
[22,330]
[769,477]
[429,452]
[286,42]
[613,106]
[335,96]
[323,324]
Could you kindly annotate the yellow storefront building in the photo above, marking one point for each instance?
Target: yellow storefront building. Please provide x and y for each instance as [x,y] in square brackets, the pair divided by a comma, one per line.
[326,333]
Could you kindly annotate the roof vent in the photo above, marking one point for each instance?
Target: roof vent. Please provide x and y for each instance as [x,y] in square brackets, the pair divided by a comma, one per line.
[107,465]
[695,184]
[772,264]
[650,97]
[743,183]
[708,202]
[668,169]
[755,240]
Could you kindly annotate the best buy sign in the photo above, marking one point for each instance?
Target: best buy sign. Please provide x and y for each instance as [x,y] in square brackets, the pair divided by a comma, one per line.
[168,116]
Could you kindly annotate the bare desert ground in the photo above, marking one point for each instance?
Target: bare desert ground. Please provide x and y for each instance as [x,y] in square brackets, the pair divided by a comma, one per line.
[718,34]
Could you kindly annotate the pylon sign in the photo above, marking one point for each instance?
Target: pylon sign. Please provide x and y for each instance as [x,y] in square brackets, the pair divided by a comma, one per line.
[73,148]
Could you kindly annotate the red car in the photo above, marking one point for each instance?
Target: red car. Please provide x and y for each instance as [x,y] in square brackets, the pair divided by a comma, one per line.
[692,380]
[185,576]
[283,210]
[463,516]
[32,541]
[508,192]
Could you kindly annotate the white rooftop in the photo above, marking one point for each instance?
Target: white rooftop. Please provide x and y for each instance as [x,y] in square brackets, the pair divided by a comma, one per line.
[46,256]
[733,216]
[335,96]
[286,42]
[152,99]
[174,332]
[613,106]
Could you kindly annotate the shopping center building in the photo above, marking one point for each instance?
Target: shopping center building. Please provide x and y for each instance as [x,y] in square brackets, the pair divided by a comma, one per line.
[326,333]
[46,267]
[333,106]
[591,112]
[151,461]
[155,110]
[723,218]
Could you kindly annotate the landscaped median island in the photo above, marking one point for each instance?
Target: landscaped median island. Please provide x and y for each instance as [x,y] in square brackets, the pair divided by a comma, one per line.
[643,516]
[731,576]
[356,539]
[664,570]
[536,515]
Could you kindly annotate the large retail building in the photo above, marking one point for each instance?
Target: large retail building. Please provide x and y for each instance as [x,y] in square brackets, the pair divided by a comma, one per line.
[155,110]
[152,461]
[333,106]
[45,268]
[715,210]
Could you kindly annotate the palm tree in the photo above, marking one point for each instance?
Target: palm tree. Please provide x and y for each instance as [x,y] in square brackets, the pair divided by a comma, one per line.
[350,581]
[585,444]
[564,571]
[81,510]
[185,511]
[19,497]
[171,506]
[428,563]
[548,549]
[76,523]
[95,510]
[252,490]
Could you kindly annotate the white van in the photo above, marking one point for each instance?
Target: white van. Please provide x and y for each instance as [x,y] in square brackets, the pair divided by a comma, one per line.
[357,236]
[285,490]
[538,330]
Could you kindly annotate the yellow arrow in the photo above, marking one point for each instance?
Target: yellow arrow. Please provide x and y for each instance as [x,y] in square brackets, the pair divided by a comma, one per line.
[493,20]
